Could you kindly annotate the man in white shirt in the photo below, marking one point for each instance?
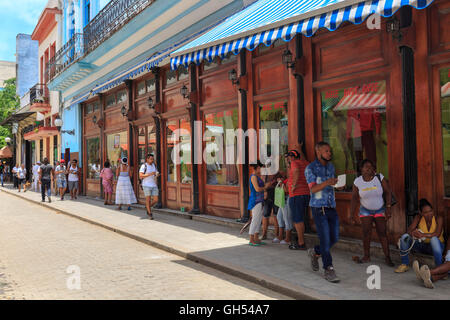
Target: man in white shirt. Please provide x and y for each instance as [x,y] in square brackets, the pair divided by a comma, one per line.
[21,175]
[35,170]
[148,174]
[14,174]
[74,173]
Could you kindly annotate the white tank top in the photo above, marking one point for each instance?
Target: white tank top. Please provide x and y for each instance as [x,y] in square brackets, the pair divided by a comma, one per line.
[72,176]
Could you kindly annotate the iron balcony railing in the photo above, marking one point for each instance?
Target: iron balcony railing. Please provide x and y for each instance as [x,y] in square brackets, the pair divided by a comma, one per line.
[66,56]
[39,93]
[111,18]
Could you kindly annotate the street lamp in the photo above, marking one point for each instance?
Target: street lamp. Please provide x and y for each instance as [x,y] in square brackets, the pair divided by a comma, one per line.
[123,111]
[8,140]
[184,91]
[59,123]
[232,76]
[287,59]
[151,103]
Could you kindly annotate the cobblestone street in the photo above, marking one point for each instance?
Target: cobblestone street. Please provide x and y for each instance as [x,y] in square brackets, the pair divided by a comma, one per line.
[38,245]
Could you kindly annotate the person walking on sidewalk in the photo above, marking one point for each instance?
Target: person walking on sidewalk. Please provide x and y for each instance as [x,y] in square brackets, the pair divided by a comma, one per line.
[74,176]
[368,190]
[61,181]
[46,175]
[124,189]
[255,203]
[21,175]
[299,196]
[107,176]
[425,235]
[148,173]
[269,206]
[14,175]
[35,171]
[320,176]
[2,171]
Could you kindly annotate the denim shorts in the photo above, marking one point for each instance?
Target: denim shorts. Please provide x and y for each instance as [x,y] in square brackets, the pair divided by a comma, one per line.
[363,212]
[73,185]
[61,183]
[150,191]
[298,206]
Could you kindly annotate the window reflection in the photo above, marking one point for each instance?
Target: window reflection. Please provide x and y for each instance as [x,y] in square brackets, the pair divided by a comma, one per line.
[218,171]
[116,148]
[354,123]
[93,158]
[445,119]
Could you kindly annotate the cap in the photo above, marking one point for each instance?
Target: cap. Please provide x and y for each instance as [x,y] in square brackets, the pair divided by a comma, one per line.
[63,161]
[38,161]
[293,153]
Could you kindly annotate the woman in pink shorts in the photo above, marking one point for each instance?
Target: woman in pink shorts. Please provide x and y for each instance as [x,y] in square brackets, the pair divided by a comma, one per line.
[107,180]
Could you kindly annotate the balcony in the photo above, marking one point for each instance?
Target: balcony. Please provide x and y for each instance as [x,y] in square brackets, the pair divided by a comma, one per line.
[108,21]
[38,131]
[39,98]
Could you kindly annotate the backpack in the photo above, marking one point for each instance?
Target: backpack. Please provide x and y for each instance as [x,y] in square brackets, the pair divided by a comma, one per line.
[140,180]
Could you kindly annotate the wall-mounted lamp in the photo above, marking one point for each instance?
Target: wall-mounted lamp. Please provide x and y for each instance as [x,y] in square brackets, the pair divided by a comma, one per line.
[58,123]
[184,91]
[287,59]
[233,77]
[124,111]
[94,119]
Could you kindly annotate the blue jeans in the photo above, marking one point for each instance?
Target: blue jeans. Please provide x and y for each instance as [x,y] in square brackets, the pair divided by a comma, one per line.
[298,206]
[327,226]
[1,176]
[435,247]
[45,185]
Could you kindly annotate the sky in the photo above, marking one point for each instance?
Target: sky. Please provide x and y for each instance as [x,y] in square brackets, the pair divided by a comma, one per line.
[17,16]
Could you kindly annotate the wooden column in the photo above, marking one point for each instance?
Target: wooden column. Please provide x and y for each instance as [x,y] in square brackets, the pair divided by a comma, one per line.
[193,105]
[157,119]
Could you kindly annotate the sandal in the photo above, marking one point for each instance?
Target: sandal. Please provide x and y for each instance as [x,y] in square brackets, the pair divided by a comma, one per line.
[253,244]
[295,246]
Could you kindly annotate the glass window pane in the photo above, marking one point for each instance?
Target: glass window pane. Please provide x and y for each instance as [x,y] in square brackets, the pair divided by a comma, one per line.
[275,116]
[110,100]
[151,129]
[93,158]
[122,96]
[96,106]
[171,77]
[150,85]
[208,65]
[141,88]
[230,57]
[185,146]
[218,170]
[141,146]
[445,119]
[354,124]
[172,125]
[116,148]
[183,73]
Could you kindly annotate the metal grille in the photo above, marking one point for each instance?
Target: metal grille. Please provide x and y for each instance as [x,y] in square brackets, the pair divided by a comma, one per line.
[39,93]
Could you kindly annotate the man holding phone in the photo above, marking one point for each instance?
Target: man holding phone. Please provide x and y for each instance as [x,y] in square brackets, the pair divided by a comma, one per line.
[148,173]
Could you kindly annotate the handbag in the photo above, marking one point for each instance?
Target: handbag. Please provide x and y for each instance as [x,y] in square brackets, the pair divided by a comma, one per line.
[393,199]
[280,197]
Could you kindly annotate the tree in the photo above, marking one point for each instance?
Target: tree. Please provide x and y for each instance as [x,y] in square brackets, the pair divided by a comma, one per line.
[9,102]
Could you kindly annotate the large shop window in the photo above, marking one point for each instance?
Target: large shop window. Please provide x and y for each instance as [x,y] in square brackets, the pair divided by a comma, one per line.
[93,158]
[141,145]
[445,116]
[181,139]
[218,170]
[151,129]
[274,116]
[116,148]
[354,124]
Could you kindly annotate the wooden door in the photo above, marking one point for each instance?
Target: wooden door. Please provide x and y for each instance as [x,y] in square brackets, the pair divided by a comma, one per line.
[177,165]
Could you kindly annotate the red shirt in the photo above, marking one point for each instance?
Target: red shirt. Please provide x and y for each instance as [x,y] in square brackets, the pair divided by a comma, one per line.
[302,188]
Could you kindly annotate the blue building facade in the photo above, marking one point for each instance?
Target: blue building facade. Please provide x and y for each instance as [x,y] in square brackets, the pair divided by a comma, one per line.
[27,63]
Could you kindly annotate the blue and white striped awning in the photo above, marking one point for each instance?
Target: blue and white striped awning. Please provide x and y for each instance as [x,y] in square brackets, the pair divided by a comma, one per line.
[268,20]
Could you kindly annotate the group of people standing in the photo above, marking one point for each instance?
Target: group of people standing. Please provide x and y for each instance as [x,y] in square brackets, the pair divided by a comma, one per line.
[124,190]
[313,185]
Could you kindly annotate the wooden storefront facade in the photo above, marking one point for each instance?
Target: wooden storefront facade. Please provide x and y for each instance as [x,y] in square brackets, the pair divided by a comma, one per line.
[340,80]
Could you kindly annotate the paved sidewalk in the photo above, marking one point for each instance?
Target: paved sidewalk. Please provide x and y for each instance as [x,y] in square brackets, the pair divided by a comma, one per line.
[273,266]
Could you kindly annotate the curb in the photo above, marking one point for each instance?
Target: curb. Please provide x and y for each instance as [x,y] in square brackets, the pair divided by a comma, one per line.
[262,280]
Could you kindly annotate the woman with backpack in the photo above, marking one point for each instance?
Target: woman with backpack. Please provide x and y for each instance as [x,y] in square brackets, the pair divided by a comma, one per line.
[368,190]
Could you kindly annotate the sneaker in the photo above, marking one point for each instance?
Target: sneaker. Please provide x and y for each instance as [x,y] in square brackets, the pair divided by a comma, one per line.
[426,277]
[283,242]
[314,259]
[401,268]
[330,275]
[276,240]
[416,269]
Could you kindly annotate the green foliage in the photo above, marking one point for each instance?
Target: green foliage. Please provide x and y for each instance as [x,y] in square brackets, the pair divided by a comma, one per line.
[9,102]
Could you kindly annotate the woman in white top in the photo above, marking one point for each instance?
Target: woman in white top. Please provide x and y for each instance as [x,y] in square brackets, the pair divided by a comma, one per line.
[21,174]
[74,174]
[124,189]
[368,190]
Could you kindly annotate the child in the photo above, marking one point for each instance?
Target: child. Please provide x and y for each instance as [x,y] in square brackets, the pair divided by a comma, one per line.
[107,181]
